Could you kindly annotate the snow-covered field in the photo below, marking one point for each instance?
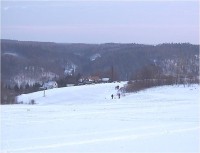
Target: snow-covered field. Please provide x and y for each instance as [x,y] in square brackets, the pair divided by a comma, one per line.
[86,119]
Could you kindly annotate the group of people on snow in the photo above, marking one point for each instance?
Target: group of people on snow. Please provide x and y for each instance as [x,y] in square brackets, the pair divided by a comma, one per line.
[118,93]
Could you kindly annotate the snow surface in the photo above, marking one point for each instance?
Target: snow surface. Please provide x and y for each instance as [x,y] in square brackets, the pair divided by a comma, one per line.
[94,57]
[86,119]
[11,54]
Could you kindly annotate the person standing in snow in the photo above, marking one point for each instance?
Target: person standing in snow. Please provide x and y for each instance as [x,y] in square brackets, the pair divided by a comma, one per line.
[119,95]
[112,96]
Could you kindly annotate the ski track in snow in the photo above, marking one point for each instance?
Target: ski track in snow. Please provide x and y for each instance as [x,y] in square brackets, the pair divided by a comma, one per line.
[117,138]
[163,119]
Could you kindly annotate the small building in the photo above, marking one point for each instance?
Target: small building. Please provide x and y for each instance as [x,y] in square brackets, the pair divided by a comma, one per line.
[94,79]
[89,80]
[81,80]
[50,85]
[105,80]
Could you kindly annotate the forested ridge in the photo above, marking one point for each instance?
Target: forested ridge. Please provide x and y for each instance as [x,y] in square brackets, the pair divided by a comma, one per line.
[39,61]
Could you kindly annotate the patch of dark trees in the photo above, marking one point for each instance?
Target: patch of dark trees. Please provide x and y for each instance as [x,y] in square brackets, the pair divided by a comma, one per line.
[152,76]
[9,94]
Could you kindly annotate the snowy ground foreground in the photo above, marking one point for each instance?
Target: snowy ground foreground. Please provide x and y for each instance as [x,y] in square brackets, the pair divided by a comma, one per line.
[85,119]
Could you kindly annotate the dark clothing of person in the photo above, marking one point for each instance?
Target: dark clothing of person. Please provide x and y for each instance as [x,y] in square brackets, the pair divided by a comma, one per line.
[112,96]
[119,95]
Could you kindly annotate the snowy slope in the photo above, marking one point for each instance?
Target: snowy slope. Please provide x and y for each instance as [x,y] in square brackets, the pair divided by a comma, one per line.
[75,94]
[86,119]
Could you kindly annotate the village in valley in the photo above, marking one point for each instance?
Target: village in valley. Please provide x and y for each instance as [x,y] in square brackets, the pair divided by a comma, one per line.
[72,78]
[81,81]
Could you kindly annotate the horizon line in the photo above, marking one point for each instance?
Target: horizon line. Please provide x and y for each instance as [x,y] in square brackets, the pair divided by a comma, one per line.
[89,43]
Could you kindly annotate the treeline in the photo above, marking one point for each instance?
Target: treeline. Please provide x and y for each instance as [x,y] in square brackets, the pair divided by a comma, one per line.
[152,76]
[9,94]
[62,82]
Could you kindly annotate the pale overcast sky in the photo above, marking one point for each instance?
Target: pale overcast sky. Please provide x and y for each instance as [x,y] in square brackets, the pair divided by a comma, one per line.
[147,22]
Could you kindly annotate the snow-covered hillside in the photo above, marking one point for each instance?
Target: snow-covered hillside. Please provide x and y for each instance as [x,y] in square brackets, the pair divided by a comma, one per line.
[86,119]
[96,93]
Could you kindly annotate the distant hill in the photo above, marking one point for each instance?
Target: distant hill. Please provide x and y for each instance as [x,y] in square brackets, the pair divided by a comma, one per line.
[29,62]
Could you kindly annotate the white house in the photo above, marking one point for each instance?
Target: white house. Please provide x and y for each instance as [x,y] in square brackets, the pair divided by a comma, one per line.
[50,85]
[105,79]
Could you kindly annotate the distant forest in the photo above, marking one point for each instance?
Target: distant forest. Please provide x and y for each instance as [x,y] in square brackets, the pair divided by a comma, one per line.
[26,63]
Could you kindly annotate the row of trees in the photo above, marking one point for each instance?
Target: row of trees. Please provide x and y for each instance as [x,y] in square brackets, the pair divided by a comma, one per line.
[152,75]
[9,94]
[73,79]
